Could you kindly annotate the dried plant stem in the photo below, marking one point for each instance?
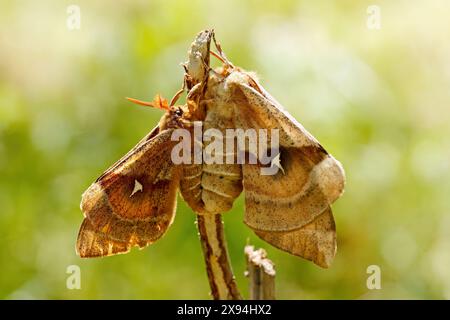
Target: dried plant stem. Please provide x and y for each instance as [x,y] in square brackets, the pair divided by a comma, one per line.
[218,267]
[261,273]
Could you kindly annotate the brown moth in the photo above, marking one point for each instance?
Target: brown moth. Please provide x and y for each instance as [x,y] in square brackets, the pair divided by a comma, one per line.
[133,203]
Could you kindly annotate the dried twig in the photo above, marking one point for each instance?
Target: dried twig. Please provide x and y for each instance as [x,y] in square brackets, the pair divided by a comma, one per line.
[261,273]
[218,267]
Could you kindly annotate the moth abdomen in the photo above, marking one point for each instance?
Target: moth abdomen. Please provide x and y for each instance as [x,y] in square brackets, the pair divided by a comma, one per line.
[190,186]
[221,185]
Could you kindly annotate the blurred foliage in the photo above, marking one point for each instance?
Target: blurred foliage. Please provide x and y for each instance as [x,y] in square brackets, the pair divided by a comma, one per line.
[378,100]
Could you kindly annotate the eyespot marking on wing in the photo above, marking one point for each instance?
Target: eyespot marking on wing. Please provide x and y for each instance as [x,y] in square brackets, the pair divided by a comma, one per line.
[137,187]
[277,162]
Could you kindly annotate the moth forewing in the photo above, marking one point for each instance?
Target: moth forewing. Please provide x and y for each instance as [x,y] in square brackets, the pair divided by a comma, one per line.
[290,209]
[316,241]
[313,179]
[133,202]
[147,137]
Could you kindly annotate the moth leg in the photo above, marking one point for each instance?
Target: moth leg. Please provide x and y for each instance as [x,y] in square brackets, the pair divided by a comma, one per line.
[216,55]
[178,94]
[221,53]
[207,67]
[194,91]
[193,96]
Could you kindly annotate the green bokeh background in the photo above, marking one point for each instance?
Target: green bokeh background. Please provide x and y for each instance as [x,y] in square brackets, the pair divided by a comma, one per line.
[378,100]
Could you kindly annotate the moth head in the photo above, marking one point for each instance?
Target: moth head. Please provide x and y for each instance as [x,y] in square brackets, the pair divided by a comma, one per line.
[175,117]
